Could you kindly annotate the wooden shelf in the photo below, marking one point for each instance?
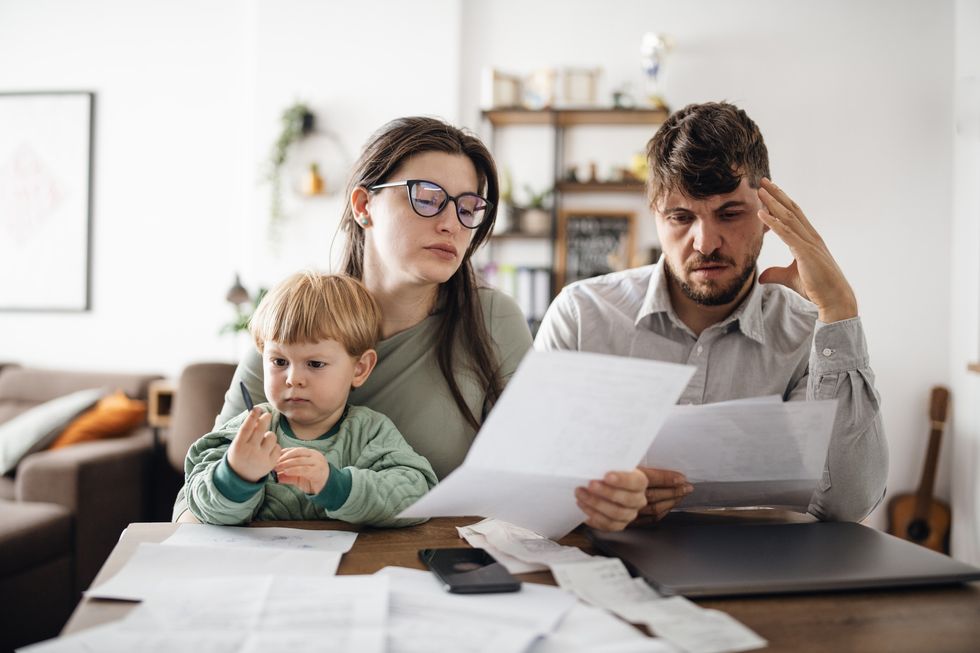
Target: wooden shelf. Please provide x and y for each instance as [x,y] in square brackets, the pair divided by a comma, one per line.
[520,235]
[569,117]
[601,187]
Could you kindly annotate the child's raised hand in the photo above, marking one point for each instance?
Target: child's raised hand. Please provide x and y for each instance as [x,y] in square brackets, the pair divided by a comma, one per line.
[254,451]
[305,468]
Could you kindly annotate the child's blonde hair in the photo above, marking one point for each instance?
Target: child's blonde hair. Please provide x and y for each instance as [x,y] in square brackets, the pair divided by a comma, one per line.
[308,307]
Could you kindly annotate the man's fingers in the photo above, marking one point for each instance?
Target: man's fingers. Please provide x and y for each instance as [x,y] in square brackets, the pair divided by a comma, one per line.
[653,495]
[599,505]
[780,195]
[601,521]
[662,477]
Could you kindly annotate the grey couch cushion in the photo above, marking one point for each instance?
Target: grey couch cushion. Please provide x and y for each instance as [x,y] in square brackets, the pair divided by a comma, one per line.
[7,487]
[32,534]
[30,386]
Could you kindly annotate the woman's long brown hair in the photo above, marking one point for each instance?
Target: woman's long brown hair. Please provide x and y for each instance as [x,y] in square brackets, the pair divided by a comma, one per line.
[458,303]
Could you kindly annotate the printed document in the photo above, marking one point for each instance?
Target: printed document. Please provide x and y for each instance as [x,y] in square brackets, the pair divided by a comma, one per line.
[754,452]
[564,419]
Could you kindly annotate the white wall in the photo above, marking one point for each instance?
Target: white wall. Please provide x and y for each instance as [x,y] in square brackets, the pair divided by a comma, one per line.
[188,98]
[963,438]
[855,100]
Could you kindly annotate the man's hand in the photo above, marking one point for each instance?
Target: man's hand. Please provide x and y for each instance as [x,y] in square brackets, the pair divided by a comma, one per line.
[664,488]
[814,273]
[305,468]
[254,451]
[612,503]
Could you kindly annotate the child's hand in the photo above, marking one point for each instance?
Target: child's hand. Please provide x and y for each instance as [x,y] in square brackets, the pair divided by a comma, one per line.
[305,468]
[254,451]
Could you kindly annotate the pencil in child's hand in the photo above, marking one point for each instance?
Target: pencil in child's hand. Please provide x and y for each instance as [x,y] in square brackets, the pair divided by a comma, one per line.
[247,397]
[249,406]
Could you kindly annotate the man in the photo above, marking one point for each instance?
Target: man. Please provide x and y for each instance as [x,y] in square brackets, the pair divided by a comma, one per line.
[792,331]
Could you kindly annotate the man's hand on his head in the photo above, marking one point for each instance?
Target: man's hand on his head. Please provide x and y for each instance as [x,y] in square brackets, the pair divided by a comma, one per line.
[814,273]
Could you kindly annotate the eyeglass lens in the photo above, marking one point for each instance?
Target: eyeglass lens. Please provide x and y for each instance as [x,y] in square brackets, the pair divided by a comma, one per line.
[428,199]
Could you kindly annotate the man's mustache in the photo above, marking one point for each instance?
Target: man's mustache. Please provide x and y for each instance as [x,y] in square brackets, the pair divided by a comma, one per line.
[712,259]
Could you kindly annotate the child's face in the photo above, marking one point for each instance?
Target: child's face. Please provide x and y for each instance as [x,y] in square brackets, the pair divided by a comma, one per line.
[309,383]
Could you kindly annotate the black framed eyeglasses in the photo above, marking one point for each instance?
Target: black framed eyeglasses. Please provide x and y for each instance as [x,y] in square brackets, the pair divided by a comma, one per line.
[428,199]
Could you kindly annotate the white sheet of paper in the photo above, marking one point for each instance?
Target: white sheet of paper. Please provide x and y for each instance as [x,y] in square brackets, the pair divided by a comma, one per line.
[467,491]
[423,617]
[153,563]
[746,453]
[578,414]
[525,545]
[275,537]
[586,629]
[348,612]
[709,631]
[565,418]
[512,564]
[603,582]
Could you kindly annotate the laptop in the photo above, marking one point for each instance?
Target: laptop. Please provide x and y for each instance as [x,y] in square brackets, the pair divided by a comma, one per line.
[728,559]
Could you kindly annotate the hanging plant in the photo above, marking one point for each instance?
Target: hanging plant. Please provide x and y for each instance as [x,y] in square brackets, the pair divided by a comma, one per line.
[297,121]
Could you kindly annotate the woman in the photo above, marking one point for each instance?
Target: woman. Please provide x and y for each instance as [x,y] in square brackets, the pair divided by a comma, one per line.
[422,199]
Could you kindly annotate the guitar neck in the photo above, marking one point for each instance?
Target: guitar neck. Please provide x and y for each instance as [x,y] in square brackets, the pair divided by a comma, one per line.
[923,496]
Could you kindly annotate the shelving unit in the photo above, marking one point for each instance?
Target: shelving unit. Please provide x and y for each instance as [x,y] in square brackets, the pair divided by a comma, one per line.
[560,121]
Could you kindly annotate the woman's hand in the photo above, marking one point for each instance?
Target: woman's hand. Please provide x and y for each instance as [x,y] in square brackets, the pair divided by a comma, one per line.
[664,488]
[305,468]
[254,451]
[612,503]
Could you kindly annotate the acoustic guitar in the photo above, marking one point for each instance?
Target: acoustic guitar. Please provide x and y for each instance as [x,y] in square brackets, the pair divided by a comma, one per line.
[919,517]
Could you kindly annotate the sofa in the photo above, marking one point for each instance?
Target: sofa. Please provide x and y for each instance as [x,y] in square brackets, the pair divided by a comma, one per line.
[62,511]
[198,398]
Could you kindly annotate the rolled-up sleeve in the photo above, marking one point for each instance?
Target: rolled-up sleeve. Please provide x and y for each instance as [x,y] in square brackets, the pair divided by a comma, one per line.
[856,470]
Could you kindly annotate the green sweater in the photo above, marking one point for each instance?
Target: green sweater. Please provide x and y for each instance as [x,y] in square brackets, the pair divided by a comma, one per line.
[374,475]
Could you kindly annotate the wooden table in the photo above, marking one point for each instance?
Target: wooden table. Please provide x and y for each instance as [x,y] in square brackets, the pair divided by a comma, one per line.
[914,620]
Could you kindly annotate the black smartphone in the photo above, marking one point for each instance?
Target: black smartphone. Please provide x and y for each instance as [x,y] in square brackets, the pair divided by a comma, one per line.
[469,571]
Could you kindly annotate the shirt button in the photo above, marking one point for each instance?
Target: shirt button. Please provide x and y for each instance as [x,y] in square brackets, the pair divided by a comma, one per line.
[700,349]
[828,352]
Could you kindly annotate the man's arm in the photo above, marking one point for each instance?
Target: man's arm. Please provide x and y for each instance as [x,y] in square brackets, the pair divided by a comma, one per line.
[856,470]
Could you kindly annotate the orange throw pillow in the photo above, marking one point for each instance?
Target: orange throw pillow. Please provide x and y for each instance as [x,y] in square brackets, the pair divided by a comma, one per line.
[113,416]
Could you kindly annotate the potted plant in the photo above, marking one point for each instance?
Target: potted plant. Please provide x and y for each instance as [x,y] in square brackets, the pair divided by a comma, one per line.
[536,218]
[297,121]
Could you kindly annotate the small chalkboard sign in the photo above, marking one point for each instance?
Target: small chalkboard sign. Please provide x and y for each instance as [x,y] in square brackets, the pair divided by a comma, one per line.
[591,243]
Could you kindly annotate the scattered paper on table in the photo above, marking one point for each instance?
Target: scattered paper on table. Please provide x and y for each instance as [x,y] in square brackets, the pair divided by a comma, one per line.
[274,537]
[151,564]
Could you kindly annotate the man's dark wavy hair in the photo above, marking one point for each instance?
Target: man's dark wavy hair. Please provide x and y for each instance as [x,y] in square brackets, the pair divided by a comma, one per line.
[703,150]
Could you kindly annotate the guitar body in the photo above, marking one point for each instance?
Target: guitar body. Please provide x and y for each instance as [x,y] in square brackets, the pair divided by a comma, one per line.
[919,517]
[931,532]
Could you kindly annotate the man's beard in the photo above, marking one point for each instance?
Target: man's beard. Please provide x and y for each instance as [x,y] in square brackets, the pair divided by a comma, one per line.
[712,294]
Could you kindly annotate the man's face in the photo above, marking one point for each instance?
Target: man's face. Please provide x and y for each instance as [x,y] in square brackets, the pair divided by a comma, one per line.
[711,244]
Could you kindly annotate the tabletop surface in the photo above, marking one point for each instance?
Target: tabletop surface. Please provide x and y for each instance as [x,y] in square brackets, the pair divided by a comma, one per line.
[921,619]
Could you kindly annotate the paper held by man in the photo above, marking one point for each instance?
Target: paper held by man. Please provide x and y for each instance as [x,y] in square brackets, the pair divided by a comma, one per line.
[566,418]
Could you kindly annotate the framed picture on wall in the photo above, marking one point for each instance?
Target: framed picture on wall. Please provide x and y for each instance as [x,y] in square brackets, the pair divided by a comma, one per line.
[590,243]
[45,200]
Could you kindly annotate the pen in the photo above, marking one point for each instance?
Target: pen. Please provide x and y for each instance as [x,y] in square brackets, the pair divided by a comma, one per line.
[249,406]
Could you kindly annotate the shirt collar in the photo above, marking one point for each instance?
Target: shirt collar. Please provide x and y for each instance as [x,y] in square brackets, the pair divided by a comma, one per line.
[657,300]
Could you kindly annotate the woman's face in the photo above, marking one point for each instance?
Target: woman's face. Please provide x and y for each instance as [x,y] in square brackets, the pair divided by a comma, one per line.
[404,247]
